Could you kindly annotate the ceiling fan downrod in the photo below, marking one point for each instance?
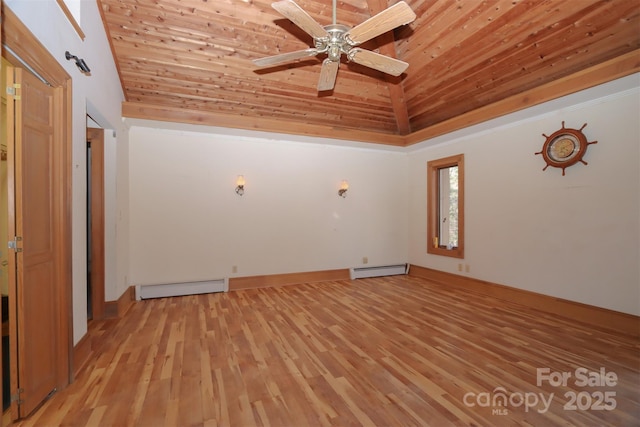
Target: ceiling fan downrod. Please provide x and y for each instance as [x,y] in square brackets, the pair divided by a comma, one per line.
[334,11]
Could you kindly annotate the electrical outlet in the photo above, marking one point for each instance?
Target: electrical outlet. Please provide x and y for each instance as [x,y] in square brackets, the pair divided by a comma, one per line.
[467,268]
[460,267]
[365,260]
[234,269]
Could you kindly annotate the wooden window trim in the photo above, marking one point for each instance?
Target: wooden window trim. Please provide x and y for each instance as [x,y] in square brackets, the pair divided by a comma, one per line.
[72,20]
[432,205]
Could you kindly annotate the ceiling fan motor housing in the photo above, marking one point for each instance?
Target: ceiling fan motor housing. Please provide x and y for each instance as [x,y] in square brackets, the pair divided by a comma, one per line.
[335,44]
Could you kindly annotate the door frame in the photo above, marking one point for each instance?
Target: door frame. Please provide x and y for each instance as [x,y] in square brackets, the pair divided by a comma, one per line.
[28,50]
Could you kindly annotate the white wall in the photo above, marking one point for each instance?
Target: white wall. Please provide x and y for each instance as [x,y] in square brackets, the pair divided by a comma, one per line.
[187,223]
[99,94]
[103,99]
[574,236]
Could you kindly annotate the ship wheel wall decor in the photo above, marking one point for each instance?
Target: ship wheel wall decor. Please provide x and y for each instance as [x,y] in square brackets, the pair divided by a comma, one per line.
[565,147]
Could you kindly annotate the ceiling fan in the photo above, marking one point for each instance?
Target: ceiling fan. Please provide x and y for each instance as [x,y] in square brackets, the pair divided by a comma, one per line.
[336,39]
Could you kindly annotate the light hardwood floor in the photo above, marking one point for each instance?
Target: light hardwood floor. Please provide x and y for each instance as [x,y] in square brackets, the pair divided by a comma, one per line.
[396,351]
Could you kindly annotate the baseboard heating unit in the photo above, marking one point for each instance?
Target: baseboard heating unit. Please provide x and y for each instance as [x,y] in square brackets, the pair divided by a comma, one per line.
[180,289]
[383,270]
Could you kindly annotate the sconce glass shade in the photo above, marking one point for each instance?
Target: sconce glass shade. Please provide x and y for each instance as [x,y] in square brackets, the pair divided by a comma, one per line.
[240,185]
[344,186]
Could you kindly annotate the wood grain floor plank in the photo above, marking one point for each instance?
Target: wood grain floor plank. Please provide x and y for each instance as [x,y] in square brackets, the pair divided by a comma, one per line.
[393,351]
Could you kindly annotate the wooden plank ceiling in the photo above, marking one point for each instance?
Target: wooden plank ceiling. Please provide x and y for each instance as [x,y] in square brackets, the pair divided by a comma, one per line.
[469,60]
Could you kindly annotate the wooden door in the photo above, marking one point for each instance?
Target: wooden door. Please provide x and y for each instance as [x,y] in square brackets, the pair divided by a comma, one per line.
[33,286]
[95,139]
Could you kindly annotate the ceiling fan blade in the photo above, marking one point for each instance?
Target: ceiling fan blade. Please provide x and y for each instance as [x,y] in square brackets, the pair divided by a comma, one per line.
[328,75]
[383,63]
[390,18]
[284,57]
[298,16]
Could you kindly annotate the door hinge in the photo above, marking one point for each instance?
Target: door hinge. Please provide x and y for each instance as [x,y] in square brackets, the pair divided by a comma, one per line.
[16,397]
[14,244]
[11,90]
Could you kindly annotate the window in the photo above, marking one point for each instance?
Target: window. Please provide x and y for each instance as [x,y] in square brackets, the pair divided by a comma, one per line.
[71,9]
[445,206]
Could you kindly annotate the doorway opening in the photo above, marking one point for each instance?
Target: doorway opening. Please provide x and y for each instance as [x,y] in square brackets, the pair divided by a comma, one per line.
[89,239]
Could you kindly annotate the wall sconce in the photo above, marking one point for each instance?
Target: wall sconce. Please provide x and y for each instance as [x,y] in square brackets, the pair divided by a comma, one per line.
[344,186]
[82,66]
[240,185]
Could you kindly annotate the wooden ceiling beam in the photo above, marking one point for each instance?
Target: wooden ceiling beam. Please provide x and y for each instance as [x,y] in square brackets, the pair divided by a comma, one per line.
[394,84]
